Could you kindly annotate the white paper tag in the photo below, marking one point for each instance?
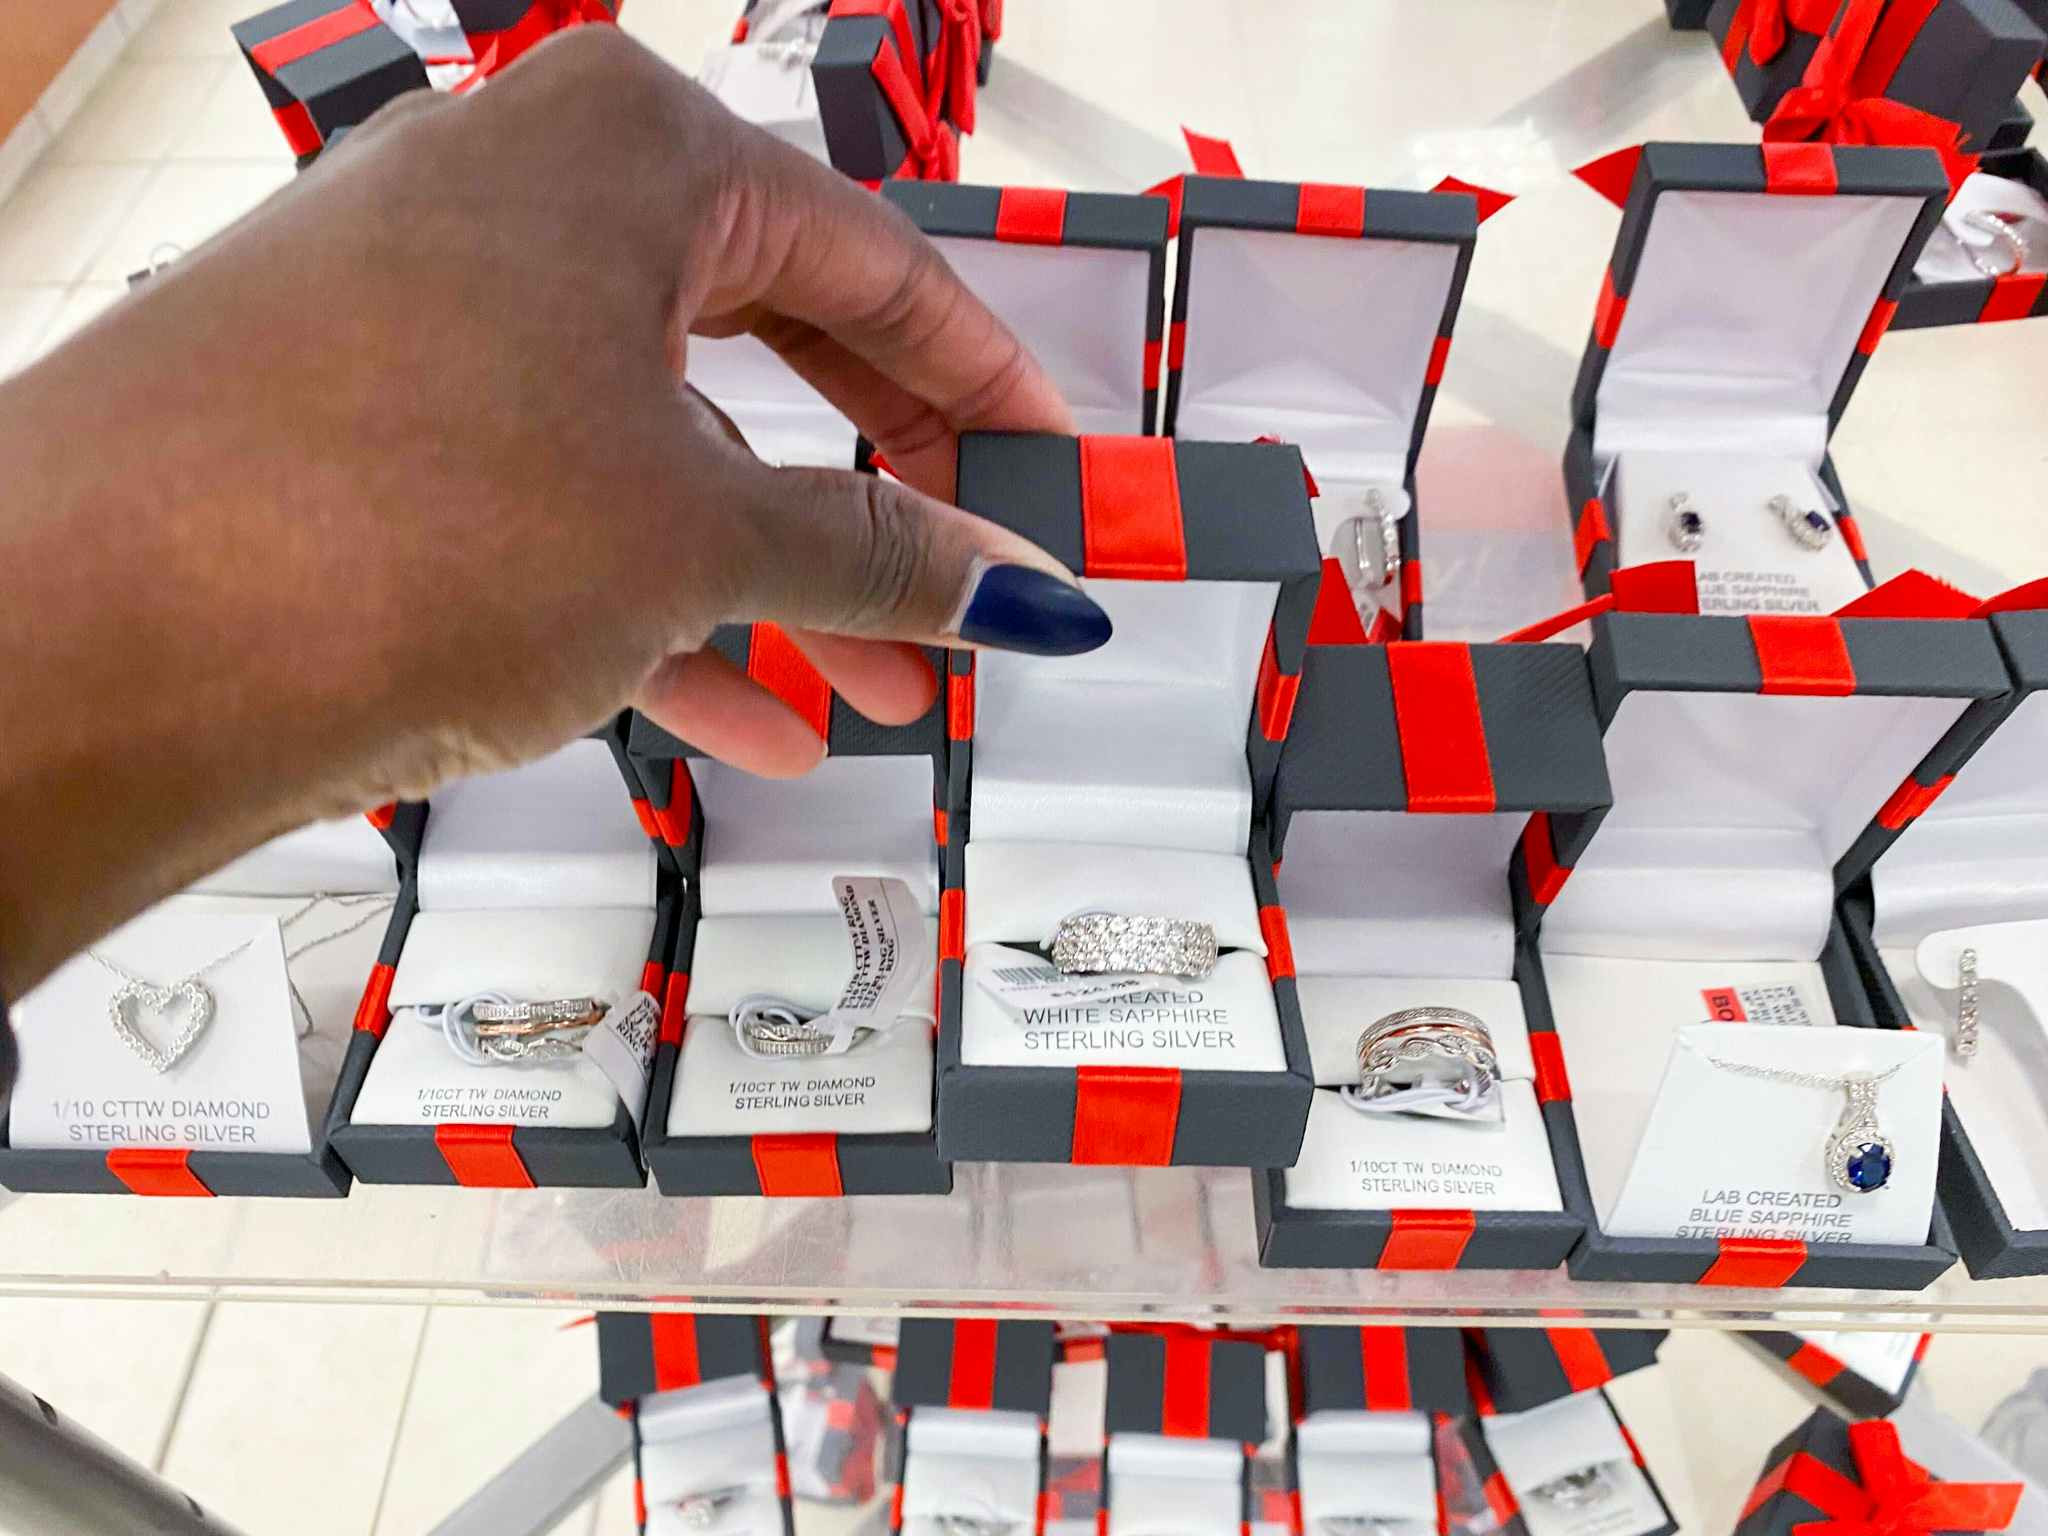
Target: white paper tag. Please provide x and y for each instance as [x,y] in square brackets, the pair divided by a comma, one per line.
[622,1048]
[1018,979]
[880,915]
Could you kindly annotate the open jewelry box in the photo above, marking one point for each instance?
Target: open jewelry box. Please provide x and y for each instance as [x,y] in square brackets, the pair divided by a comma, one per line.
[1948,286]
[1965,843]
[973,1397]
[1362,1449]
[709,1451]
[786,423]
[244,1109]
[1080,277]
[1867,1374]
[1322,316]
[1418,774]
[1747,289]
[1126,781]
[1516,1369]
[1183,1414]
[762,920]
[1686,941]
[536,885]
[1569,1468]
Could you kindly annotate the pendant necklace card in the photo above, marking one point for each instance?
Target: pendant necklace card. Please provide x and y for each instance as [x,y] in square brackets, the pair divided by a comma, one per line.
[236,1089]
[1727,1154]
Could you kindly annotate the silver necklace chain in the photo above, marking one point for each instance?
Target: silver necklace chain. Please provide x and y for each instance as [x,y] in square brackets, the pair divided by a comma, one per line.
[1799,1079]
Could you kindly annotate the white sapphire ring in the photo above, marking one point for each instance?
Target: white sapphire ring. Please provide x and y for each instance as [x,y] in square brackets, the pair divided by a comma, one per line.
[1088,943]
[1426,1045]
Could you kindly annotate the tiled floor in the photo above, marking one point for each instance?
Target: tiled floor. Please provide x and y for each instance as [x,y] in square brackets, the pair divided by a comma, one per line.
[377,1420]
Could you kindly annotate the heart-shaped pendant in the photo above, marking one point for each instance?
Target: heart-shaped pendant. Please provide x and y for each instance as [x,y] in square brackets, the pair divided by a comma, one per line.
[132,1000]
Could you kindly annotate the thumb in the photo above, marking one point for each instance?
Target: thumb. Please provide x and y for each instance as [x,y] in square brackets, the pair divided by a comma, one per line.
[856,554]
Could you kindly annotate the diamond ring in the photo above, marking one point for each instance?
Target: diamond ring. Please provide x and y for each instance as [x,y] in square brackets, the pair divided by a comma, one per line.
[2004,230]
[702,1511]
[1810,528]
[775,1029]
[1575,1490]
[561,1010]
[971,1525]
[1432,1044]
[1092,942]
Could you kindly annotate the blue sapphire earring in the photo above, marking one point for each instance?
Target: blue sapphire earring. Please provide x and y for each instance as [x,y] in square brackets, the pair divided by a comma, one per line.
[1688,529]
[1808,527]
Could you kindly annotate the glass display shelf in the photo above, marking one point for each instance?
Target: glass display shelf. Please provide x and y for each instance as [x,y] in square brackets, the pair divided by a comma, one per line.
[1107,1243]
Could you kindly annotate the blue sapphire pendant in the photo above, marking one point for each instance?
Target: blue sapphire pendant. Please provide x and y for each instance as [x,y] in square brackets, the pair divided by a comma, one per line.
[1859,1155]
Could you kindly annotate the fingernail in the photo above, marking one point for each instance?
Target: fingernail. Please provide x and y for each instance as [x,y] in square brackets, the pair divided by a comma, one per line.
[1021,608]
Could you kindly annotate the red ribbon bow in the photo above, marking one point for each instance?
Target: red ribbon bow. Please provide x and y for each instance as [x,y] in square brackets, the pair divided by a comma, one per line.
[1824,105]
[543,19]
[1772,22]
[1895,1496]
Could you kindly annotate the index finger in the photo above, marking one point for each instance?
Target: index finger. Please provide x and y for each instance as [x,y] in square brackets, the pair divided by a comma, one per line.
[809,245]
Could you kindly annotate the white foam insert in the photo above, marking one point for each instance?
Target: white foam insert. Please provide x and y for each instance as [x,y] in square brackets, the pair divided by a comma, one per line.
[718,1435]
[1572,1433]
[1160,1483]
[983,1464]
[1618,1021]
[2000,1094]
[804,960]
[1140,742]
[770,89]
[415,1078]
[1080,1389]
[1334,1009]
[1387,893]
[1979,853]
[1747,562]
[1320,341]
[1882,1359]
[556,833]
[1944,260]
[882,1088]
[1356,1162]
[237,1088]
[1741,319]
[1730,811]
[784,420]
[1080,311]
[1359,1463]
[774,845]
[331,857]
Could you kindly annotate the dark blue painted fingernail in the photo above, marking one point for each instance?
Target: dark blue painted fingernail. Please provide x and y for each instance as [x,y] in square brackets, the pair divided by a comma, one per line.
[1021,608]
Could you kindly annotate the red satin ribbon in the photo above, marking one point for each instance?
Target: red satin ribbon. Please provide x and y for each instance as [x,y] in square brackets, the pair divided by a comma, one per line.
[1772,22]
[1895,1496]
[542,20]
[1823,107]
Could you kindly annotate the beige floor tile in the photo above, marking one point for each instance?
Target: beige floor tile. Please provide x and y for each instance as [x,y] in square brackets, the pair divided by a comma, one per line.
[75,84]
[233,123]
[488,1384]
[117,1367]
[83,304]
[25,314]
[183,206]
[292,1412]
[21,148]
[61,217]
[192,29]
[140,110]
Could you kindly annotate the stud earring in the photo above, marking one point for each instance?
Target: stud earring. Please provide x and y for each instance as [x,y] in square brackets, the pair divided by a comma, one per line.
[1687,528]
[1809,527]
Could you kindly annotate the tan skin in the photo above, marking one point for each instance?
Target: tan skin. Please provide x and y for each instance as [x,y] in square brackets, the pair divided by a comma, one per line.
[397,484]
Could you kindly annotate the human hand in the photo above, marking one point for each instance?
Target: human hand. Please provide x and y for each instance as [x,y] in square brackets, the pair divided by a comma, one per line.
[397,483]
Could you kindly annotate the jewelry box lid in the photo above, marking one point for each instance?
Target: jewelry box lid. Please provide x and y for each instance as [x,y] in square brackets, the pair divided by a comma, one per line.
[1186,1385]
[974,1363]
[300,61]
[1383,1370]
[1442,727]
[641,1353]
[1748,287]
[1523,1368]
[765,653]
[1320,315]
[1079,276]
